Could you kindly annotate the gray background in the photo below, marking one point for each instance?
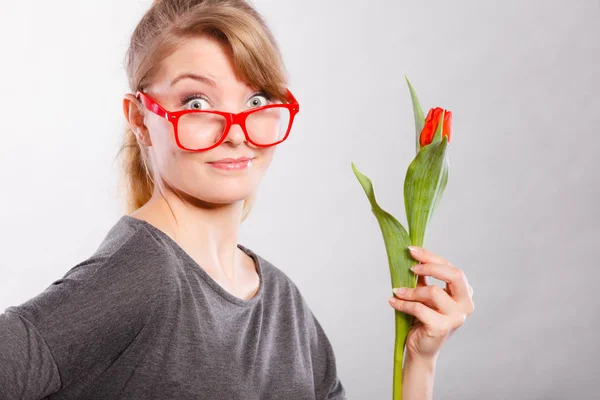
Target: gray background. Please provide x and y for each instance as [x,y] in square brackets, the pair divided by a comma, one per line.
[519,214]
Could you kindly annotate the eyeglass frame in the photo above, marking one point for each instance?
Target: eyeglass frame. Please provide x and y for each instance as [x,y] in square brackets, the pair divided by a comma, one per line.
[230,118]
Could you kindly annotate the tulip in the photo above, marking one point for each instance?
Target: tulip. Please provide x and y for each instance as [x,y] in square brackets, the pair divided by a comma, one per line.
[431,124]
[424,184]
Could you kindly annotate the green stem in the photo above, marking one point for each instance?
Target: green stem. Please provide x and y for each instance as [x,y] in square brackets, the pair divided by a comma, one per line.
[399,345]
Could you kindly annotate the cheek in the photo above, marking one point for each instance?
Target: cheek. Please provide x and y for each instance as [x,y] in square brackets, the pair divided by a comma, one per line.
[161,132]
[264,157]
[164,150]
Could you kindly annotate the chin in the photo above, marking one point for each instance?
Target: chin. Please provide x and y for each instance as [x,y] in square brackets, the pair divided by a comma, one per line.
[215,186]
[223,192]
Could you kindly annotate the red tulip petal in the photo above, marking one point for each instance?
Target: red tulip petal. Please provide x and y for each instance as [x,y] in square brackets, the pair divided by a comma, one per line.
[426,133]
[447,125]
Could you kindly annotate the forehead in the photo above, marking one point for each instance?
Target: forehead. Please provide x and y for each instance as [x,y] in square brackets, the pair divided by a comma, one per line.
[202,56]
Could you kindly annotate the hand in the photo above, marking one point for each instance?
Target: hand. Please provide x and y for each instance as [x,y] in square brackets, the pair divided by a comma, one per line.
[438,312]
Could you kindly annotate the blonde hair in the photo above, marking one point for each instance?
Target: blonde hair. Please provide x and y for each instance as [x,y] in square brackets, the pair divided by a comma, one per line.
[162,30]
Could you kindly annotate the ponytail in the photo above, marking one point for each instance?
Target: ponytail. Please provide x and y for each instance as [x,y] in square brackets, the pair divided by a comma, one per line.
[137,177]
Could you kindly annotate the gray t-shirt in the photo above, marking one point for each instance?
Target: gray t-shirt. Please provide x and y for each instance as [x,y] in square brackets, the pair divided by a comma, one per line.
[140,319]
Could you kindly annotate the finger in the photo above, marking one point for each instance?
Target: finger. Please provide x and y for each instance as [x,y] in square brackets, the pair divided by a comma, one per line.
[455,278]
[424,255]
[433,296]
[419,310]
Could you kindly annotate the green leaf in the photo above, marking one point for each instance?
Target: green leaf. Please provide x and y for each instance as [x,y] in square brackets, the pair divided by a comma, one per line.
[418,112]
[424,186]
[441,187]
[396,240]
[395,237]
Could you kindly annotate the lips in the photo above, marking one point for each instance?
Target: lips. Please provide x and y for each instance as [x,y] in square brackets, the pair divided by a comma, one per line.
[231,160]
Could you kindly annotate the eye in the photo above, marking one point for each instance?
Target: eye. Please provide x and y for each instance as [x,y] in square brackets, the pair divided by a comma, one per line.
[259,100]
[196,102]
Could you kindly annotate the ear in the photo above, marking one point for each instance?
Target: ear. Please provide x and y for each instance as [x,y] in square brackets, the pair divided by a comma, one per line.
[134,114]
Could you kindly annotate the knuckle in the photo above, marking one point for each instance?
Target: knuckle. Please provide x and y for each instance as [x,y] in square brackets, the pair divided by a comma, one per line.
[436,292]
[457,321]
[470,308]
[446,326]
[432,290]
[417,308]
[400,305]
[460,274]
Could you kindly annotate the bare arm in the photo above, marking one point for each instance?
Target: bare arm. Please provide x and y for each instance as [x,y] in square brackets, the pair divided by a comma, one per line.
[417,378]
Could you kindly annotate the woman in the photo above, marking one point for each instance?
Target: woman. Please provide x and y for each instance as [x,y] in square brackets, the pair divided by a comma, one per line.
[170,306]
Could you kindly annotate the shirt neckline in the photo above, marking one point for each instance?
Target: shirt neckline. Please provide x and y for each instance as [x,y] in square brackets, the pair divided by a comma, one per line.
[203,274]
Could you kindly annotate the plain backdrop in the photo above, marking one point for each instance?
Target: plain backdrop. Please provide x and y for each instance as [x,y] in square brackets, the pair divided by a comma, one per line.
[519,215]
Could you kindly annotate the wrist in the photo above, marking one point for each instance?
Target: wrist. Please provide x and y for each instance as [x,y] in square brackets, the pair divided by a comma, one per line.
[421,363]
[418,375]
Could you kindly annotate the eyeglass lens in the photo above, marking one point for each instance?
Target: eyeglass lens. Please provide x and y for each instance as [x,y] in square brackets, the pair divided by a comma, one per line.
[197,131]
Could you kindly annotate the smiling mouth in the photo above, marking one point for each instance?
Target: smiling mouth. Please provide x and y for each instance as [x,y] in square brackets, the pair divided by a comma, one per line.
[230,166]
[232,160]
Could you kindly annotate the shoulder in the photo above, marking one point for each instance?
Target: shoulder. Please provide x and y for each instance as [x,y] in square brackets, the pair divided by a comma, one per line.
[89,316]
[128,248]
[296,312]
[126,269]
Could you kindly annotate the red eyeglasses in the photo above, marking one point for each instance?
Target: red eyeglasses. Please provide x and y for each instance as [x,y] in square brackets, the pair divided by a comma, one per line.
[201,130]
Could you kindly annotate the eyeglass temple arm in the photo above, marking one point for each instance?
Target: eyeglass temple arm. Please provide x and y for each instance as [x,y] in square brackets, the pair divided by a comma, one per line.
[151,105]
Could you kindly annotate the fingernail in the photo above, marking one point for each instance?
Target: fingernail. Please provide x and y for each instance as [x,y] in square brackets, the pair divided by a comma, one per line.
[415,268]
[392,300]
[400,291]
[414,249]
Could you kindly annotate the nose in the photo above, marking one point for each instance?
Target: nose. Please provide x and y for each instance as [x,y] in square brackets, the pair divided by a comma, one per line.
[235,135]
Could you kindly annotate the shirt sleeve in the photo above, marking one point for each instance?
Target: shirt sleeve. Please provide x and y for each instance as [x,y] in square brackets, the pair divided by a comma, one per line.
[327,382]
[70,333]
[27,368]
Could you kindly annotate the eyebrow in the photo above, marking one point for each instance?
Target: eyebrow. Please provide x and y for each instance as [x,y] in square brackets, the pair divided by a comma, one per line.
[199,78]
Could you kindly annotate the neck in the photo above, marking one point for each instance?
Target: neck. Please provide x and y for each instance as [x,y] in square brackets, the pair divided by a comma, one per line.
[207,232]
